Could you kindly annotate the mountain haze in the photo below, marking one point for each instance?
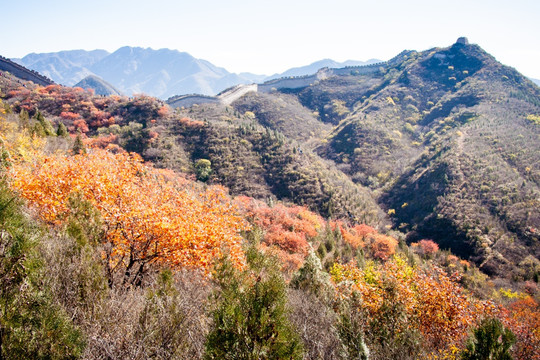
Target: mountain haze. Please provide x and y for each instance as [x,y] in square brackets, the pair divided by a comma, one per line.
[64,67]
[161,73]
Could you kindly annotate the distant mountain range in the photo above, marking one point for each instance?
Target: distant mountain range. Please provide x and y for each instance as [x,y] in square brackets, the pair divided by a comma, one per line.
[64,67]
[162,73]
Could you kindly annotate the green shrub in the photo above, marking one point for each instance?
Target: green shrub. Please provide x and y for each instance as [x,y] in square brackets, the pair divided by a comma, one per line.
[203,167]
[250,316]
[491,340]
[32,326]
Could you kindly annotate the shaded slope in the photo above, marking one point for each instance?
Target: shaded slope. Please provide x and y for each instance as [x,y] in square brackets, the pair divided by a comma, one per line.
[283,113]
[447,139]
[257,161]
[448,144]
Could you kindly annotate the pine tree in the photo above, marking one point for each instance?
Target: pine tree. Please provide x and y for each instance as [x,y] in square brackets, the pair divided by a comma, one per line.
[24,119]
[350,326]
[31,325]
[48,130]
[491,340]
[250,319]
[312,279]
[203,167]
[78,146]
[62,131]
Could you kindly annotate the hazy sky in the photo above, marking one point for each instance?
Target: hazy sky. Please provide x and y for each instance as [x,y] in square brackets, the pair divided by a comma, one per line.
[270,36]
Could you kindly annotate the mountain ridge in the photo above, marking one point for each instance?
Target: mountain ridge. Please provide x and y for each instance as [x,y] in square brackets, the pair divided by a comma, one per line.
[442,144]
[410,131]
[317,65]
[162,73]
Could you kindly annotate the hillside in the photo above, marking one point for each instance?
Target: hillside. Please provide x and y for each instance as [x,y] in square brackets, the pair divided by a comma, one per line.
[449,142]
[120,241]
[445,139]
[440,143]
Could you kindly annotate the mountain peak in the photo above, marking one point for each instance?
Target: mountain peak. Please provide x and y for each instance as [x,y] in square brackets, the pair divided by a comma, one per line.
[100,86]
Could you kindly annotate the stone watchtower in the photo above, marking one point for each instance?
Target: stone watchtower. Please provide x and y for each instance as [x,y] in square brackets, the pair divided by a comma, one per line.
[463,41]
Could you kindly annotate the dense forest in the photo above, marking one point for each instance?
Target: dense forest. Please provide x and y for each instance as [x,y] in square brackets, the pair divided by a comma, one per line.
[373,216]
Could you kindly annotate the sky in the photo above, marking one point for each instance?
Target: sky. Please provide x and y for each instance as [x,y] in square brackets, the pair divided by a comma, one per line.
[271,36]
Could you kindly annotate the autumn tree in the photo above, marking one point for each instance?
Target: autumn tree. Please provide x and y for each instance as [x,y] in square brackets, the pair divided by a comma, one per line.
[425,247]
[149,216]
[401,302]
[286,229]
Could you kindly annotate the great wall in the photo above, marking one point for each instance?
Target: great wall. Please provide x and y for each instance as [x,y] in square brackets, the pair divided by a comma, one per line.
[23,73]
[227,96]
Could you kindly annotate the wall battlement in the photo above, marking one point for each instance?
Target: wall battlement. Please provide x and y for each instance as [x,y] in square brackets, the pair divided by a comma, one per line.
[23,73]
[190,100]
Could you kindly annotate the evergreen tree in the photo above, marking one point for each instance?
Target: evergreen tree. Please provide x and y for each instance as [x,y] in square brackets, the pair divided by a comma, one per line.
[62,131]
[491,341]
[312,279]
[31,325]
[250,319]
[24,119]
[350,326]
[78,146]
[203,167]
[48,130]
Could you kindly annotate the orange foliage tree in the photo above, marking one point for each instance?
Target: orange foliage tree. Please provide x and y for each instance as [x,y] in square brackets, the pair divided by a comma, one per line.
[382,246]
[431,303]
[354,235]
[523,318]
[425,247]
[148,216]
[286,228]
